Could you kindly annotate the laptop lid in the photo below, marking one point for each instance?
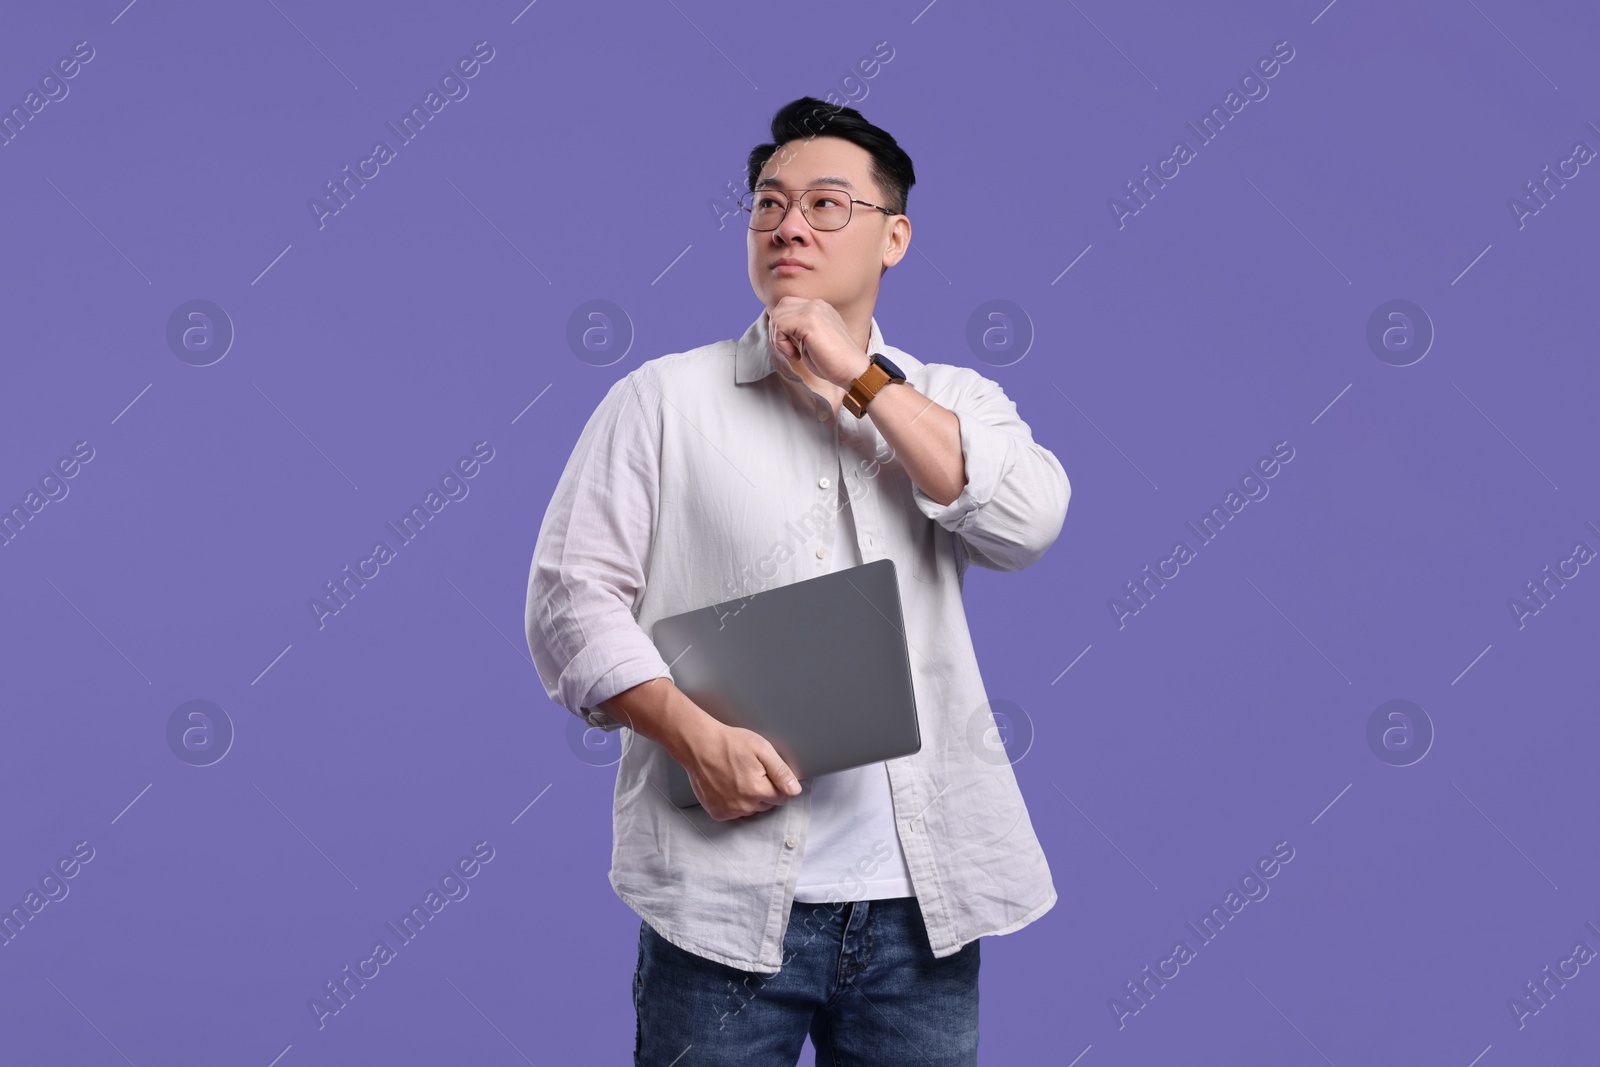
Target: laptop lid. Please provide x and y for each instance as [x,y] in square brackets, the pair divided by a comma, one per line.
[818,667]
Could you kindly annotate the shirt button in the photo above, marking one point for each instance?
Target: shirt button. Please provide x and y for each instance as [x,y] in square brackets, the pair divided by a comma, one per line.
[822,416]
[821,551]
[790,843]
[823,482]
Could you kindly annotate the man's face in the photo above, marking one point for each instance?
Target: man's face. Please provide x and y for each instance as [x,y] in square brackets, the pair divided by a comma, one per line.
[844,264]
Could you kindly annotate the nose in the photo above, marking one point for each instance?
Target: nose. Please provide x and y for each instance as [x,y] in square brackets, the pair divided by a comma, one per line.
[794,222]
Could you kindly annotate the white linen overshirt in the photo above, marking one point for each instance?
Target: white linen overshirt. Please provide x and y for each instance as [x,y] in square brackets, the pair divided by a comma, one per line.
[708,475]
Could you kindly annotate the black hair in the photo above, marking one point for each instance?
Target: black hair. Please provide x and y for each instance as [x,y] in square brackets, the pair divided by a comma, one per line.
[809,117]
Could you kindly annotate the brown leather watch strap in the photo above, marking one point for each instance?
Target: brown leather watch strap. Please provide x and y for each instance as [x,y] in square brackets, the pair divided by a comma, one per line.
[864,388]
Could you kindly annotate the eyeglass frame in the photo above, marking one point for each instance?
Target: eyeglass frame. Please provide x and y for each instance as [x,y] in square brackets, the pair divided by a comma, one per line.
[793,200]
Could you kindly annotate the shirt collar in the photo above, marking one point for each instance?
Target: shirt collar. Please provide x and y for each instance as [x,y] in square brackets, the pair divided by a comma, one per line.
[755,359]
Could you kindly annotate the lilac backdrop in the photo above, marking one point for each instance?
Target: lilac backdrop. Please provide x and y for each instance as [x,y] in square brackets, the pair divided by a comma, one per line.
[1441,860]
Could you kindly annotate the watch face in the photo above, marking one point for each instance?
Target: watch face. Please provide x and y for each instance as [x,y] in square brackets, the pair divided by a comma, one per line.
[883,360]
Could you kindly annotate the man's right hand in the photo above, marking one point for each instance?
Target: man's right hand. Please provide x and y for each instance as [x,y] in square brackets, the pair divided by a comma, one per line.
[736,772]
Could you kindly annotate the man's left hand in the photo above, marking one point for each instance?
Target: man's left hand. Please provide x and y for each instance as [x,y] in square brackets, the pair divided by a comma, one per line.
[812,331]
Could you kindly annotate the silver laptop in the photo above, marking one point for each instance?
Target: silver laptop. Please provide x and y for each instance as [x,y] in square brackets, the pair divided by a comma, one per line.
[818,667]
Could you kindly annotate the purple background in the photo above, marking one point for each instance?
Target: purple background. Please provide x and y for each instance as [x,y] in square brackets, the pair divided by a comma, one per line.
[1229,314]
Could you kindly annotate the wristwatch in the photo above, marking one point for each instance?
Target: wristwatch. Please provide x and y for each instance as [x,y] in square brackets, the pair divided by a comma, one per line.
[879,372]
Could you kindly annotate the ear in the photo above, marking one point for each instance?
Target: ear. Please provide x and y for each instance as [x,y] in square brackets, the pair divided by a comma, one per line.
[897,241]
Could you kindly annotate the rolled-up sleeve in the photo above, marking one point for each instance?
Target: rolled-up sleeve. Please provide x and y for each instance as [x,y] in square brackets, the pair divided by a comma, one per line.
[592,556]
[1015,501]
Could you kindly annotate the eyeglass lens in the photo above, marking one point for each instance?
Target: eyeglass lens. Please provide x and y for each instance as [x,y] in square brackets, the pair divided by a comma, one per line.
[825,209]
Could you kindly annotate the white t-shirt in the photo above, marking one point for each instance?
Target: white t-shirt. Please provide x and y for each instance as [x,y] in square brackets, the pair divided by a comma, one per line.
[852,850]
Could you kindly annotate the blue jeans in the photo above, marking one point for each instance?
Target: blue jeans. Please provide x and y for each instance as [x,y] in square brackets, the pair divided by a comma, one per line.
[858,976]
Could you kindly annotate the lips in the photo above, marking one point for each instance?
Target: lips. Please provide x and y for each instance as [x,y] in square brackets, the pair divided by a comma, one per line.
[789,263]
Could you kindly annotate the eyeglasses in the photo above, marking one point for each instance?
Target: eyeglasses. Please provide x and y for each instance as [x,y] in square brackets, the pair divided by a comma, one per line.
[824,209]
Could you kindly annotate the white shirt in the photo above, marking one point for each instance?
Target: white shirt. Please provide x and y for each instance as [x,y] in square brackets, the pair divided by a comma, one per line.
[703,476]
[852,848]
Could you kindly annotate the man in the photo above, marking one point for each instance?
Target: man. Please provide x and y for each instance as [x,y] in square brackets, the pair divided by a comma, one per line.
[850,906]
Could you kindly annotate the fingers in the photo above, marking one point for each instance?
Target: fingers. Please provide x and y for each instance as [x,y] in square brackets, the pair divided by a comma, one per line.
[746,796]
[777,770]
[761,807]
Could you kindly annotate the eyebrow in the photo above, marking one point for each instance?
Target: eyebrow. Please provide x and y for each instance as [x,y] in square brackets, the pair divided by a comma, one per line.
[772,183]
